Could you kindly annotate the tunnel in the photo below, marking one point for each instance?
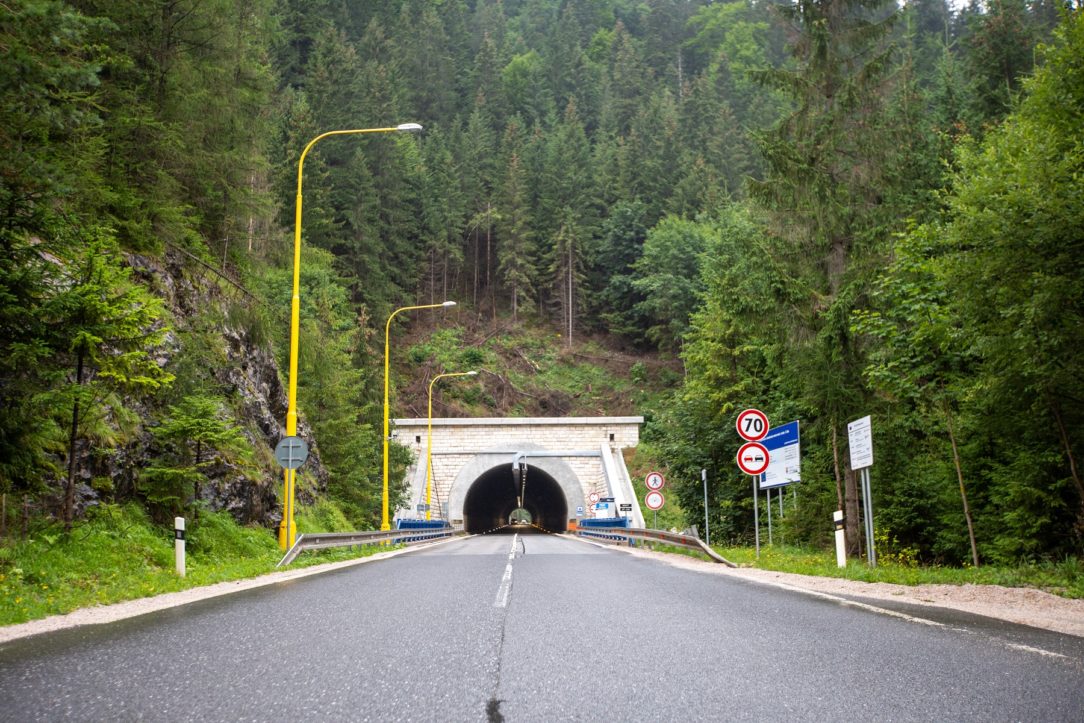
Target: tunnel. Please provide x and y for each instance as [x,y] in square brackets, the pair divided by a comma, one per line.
[494,495]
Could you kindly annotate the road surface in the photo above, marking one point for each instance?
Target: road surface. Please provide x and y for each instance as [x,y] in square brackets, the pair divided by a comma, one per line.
[539,628]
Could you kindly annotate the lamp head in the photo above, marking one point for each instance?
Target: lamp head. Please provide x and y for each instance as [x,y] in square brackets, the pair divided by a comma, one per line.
[409,128]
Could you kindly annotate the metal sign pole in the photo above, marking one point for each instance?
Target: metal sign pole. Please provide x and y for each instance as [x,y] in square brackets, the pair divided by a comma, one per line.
[707,530]
[867,494]
[756,514]
[768,494]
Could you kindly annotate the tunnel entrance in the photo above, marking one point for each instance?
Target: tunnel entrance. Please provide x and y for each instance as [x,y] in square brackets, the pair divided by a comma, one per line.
[494,496]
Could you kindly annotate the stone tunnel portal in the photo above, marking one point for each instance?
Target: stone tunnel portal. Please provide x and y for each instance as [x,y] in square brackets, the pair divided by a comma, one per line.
[492,498]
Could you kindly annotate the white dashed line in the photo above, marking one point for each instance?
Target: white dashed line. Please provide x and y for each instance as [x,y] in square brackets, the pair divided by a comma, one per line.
[505,588]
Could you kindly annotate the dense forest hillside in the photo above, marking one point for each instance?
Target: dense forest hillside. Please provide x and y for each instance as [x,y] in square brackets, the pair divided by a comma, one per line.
[821,208]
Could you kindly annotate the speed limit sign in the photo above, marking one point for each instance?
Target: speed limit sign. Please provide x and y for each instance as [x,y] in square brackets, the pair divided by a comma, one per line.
[752,425]
[655,481]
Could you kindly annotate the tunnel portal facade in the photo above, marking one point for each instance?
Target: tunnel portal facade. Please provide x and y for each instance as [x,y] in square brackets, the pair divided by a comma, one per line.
[484,470]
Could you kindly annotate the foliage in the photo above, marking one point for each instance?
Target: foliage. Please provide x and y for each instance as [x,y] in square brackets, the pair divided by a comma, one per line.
[117,554]
[785,195]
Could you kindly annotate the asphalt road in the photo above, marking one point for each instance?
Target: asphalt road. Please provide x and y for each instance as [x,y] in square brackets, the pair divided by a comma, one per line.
[538,628]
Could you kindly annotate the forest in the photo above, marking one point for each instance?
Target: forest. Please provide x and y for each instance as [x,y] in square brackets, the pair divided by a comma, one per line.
[824,209]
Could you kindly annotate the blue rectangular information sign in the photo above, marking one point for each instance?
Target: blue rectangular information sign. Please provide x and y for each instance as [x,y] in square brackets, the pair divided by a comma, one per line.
[784,464]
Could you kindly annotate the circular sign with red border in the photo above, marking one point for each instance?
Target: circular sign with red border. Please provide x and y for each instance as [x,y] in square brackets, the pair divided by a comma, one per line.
[753,458]
[655,481]
[654,500]
[752,425]
[593,497]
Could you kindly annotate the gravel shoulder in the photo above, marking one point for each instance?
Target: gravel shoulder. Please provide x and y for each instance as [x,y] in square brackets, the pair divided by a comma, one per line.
[1025,606]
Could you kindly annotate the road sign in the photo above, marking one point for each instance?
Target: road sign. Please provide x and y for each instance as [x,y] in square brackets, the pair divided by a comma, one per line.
[291,452]
[753,458]
[593,497]
[860,441]
[579,511]
[752,425]
[625,507]
[655,481]
[606,499]
[654,500]
[784,466]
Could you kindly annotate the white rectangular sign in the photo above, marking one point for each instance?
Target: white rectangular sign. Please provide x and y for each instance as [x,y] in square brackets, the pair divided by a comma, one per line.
[860,441]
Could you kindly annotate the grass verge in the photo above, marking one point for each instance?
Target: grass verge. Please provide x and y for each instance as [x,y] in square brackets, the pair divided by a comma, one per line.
[1064,578]
[117,554]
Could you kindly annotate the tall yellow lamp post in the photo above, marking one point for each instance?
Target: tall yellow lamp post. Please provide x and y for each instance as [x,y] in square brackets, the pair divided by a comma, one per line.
[429,440]
[287,528]
[385,523]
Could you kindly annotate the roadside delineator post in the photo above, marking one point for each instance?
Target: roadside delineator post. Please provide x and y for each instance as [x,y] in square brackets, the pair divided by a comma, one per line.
[178,544]
[841,544]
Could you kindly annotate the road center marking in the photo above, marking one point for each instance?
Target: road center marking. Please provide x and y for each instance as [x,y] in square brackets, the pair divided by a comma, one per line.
[505,588]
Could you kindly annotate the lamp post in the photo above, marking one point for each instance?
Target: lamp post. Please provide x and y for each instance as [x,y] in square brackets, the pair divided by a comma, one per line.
[429,439]
[287,529]
[385,523]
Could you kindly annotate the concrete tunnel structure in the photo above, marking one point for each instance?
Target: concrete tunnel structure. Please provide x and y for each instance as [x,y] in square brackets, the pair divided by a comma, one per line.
[566,459]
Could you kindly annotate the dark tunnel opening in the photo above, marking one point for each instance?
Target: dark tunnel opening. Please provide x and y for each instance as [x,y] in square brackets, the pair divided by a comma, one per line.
[493,497]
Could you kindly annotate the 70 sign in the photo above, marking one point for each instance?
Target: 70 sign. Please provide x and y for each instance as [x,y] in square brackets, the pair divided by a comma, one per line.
[752,425]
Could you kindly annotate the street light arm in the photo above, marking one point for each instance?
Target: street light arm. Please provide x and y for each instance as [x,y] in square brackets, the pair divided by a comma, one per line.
[353,131]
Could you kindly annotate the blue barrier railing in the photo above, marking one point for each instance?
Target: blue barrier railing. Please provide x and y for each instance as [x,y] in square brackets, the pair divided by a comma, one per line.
[603,522]
[412,524]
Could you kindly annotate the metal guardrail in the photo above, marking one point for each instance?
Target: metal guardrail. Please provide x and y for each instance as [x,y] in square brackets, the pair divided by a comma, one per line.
[324,540]
[626,534]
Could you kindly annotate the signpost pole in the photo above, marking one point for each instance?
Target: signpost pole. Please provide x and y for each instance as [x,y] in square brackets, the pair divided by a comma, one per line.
[768,494]
[756,514]
[871,548]
[707,530]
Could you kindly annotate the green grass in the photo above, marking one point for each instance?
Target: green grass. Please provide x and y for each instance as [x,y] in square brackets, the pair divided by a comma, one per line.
[1065,578]
[118,554]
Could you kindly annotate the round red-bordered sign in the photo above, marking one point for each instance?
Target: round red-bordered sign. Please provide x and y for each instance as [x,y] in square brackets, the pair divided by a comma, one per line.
[654,500]
[752,425]
[655,481]
[753,458]
[593,497]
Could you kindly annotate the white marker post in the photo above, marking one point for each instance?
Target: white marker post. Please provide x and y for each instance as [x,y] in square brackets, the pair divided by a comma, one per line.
[178,544]
[841,541]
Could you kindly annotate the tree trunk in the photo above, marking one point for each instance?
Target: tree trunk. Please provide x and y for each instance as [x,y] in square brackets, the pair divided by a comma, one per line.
[570,298]
[69,489]
[1073,471]
[960,479]
[195,483]
[853,530]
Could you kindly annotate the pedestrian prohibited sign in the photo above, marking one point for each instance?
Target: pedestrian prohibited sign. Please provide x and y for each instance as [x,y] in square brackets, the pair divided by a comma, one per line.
[753,458]
[655,481]
[752,425]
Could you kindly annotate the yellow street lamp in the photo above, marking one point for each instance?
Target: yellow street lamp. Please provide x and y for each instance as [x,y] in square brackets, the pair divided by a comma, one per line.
[287,529]
[429,441]
[385,523]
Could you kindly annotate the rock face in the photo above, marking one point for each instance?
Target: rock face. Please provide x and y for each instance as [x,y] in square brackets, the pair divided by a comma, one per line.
[249,377]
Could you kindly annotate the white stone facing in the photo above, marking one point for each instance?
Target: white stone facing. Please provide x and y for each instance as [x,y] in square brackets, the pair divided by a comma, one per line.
[459,446]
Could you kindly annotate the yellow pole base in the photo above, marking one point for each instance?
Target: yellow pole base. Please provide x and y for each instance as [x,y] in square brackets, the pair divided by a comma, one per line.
[287,535]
